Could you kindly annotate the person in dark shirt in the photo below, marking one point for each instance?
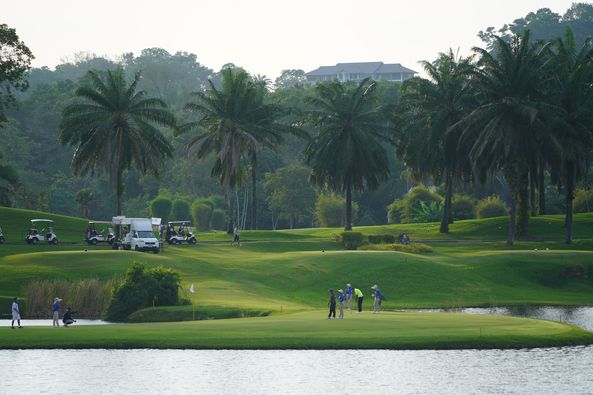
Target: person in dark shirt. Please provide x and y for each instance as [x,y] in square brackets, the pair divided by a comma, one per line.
[332,304]
[68,320]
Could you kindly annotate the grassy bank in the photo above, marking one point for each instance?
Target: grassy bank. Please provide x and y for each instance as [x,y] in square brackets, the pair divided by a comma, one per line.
[311,330]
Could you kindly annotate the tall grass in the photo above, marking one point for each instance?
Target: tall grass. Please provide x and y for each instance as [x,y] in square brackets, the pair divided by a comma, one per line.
[89,298]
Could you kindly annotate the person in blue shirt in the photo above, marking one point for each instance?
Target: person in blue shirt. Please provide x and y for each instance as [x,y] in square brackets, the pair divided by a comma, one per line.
[56,312]
[341,303]
[349,296]
[378,297]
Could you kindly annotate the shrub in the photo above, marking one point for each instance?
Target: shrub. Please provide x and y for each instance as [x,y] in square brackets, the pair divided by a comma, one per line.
[352,240]
[491,207]
[136,207]
[331,211]
[161,208]
[180,210]
[381,239]
[141,288]
[218,201]
[410,209]
[218,219]
[463,207]
[415,248]
[583,201]
[201,214]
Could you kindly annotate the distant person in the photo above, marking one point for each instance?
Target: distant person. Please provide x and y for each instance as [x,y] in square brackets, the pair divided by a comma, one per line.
[341,304]
[16,314]
[378,297]
[349,296]
[68,320]
[359,299]
[236,234]
[56,312]
[332,304]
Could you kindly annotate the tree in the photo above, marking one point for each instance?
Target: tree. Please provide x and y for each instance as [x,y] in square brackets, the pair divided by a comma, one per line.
[112,127]
[348,153]
[236,123]
[84,198]
[290,194]
[506,130]
[15,62]
[9,180]
[428,109]
[290,78]
[573,71]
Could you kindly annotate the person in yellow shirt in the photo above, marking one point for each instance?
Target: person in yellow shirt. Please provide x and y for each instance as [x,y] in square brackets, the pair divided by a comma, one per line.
[359,298]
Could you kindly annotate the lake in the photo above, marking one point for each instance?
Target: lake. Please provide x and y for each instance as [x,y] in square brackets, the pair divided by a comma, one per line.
[538,371]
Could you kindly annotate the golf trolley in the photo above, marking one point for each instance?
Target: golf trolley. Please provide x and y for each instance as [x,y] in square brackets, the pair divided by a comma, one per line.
[99,232]
[183,233]
[1,236]
[45,234]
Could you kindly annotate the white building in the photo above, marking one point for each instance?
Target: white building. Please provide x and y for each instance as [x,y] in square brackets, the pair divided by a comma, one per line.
[377,71]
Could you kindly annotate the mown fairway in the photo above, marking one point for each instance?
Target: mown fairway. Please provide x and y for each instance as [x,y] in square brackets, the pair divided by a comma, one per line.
[290,272]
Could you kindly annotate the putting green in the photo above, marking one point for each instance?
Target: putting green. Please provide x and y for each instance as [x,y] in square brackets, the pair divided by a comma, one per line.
[311,330]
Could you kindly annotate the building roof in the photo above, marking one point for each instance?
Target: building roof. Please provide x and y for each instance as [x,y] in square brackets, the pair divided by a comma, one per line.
[360,68]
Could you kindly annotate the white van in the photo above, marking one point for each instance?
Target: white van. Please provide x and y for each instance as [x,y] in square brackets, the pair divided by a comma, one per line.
[139,236]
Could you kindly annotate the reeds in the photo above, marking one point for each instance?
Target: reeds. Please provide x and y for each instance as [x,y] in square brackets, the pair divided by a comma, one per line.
[89,298]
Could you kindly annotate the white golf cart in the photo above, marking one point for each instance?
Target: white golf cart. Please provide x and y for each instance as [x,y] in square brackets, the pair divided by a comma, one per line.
[179,231]
[1,236]
[99,232]
[42,230]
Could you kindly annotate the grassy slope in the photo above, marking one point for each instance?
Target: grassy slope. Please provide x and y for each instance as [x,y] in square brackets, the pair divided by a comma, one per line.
[290,271]
[311,331]
[17,222]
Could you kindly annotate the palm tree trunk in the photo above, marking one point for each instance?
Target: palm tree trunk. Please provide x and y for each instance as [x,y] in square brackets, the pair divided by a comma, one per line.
[254,191]
[119,191]
[541,188]
[348,208]
[523,207]
[513,218]
[230,227]
[447,215]
[570,177]
[532,184]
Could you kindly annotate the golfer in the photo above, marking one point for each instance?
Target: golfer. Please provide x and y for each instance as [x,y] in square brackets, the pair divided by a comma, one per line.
[16,315]
[341,304]
[56,311]
[236,239]
[349,296]
[359,299]
[331,304]
[68,320]
[378,297]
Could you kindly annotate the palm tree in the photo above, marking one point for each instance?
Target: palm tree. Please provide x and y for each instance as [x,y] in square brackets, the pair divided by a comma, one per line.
[428,109]
[573,87]
[113,126]
[506,130]
[348,153]
[236,122]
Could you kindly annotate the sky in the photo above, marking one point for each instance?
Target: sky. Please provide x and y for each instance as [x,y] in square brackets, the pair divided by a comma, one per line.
[263,36]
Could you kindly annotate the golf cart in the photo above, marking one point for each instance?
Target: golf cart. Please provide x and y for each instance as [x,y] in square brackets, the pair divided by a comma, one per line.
[46,233]
[1,236]
[178,232]
[99,232]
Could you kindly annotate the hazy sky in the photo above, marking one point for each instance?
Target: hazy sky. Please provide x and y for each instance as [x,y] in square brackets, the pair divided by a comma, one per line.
[263,36]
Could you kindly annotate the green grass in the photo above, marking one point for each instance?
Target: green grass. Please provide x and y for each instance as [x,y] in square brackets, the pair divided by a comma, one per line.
[311,330]
[290,271]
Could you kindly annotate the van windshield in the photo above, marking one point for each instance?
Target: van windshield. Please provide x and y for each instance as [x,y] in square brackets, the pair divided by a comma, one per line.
[144,234]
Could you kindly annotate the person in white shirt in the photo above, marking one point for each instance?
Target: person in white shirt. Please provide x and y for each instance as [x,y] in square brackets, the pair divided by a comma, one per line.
[16,315]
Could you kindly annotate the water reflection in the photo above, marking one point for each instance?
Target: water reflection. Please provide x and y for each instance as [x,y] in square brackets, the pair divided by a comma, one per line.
[541,371]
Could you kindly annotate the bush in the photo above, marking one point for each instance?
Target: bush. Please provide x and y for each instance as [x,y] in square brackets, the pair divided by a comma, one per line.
[218,219]
[463,207]
[142,288]
[410,208]
[491,207]
[351,240]
[583,201]
[331,211]
[218,201]
[180,210]
[381,239]
[161,208]
[201,214]
[136,207]
[415,248]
